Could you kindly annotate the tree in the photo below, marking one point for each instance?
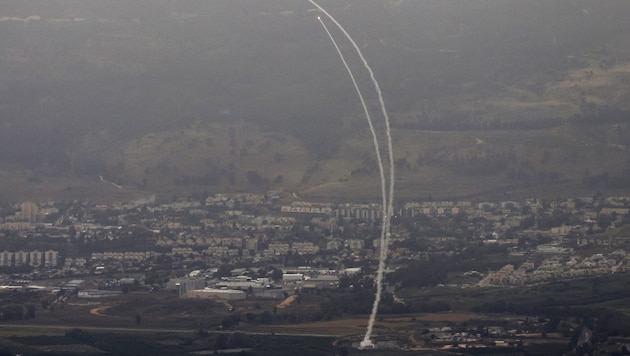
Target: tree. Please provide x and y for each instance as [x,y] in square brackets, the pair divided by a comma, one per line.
[238,340]
[605,220]
[265,317]
[223,271]
[12,312]
[221,341]
[80,335]
[254,178]
[30,312]
[276,274]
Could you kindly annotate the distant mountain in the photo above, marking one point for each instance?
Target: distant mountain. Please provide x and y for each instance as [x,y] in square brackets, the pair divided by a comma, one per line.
[487,98]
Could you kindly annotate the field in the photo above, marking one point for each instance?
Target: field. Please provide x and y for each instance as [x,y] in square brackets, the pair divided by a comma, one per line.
[385,325]
[25,185]
[159,322]
[467,161]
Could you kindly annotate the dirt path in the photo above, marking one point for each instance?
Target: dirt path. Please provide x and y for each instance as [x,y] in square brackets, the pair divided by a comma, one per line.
[99,310]
[285,303]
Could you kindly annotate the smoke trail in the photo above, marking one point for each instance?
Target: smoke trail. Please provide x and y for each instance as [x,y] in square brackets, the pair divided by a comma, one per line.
[385,235]
[369,120]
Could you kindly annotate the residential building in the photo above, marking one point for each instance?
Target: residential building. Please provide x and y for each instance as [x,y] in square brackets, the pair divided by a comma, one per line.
[35,258]
[6,259]
[51,258]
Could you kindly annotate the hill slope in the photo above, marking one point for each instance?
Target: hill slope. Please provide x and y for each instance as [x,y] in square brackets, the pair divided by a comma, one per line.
[490,99]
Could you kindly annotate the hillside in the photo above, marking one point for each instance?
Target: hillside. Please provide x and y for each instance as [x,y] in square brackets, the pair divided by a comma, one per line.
[487,99]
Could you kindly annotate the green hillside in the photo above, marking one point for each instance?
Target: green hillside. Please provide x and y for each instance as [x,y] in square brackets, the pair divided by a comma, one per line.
[488,99]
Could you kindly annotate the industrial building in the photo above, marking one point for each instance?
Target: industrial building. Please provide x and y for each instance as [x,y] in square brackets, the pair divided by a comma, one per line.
[225,294]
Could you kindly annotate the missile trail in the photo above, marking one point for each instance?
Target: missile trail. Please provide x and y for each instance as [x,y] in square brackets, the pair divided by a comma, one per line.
[369,120]
[386,229]
[379,94]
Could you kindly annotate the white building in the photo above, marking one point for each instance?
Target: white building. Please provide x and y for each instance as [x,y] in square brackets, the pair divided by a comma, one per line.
[29,211]
[6,259]
[225,294]
[35,258]
[292,277]
[20,258]
[51,258]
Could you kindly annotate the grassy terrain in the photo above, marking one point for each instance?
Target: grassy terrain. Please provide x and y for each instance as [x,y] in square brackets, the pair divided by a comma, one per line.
[551,159]
[148,99]
[172,325]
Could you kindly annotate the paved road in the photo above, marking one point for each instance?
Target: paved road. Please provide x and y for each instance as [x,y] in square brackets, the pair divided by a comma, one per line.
[147,330]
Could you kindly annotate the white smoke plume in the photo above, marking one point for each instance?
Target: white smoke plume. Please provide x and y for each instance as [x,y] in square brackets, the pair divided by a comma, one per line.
[388,206]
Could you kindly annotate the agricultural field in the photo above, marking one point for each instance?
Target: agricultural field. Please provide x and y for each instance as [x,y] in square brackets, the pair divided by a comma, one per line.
[539,316]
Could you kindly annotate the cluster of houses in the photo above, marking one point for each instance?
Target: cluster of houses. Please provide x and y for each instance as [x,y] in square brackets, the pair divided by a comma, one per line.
[33,258]
[559,267]
[447,338]
[245,229]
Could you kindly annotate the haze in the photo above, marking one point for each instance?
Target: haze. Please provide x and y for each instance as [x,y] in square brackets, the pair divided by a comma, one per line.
[195,176]
[93,88]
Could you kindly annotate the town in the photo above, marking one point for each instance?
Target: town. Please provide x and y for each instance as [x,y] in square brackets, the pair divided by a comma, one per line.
[310,243]
[258,258]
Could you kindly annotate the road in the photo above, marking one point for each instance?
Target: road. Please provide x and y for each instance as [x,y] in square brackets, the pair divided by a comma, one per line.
[61,328]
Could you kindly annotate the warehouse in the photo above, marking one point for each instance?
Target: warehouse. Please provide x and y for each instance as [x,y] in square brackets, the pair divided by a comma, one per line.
[225,294]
